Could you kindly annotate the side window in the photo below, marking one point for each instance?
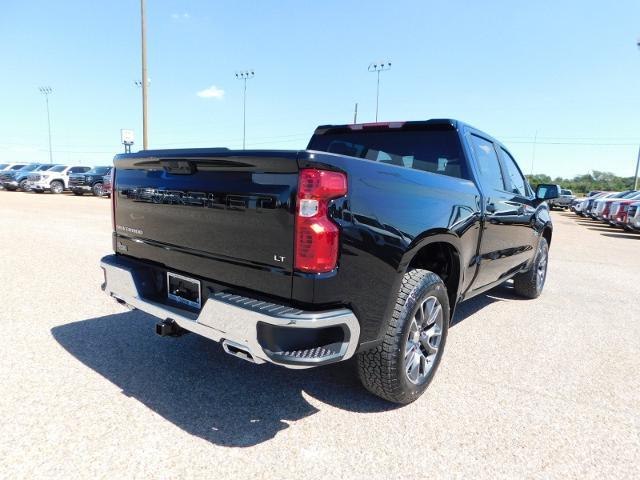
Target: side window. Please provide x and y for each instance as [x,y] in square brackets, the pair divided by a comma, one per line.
[518,183]
[488,164]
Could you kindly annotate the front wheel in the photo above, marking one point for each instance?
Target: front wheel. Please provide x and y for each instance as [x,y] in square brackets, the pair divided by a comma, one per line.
[57,187]
[97,189]
[401,368]
[23,186]
[529,284]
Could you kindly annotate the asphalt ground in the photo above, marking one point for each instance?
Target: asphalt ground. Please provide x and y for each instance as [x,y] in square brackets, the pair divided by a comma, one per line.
[546,388]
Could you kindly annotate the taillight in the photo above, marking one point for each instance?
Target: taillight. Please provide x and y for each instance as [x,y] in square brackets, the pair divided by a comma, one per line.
[317,237]
[113,199]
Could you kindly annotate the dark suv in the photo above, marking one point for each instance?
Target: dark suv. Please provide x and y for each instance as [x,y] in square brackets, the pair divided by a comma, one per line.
[89,182]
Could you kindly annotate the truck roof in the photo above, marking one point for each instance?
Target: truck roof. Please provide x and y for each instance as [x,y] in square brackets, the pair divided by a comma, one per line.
[414,124]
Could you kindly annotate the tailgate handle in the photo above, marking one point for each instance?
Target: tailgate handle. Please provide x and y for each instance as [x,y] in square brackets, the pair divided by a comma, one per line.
[179,167]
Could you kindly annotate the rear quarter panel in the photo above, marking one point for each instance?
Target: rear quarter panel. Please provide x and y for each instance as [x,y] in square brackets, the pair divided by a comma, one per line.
[389,213]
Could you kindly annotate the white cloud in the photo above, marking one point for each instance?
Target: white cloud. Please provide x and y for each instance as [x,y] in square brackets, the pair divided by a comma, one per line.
[180,16]
[211,92]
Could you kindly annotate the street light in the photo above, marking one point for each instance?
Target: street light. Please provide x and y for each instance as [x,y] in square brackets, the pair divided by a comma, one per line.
[46,91]
[244,76]
[378,67]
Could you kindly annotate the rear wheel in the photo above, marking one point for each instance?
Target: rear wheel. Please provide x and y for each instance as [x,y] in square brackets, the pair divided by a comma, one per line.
[529,284]
[401,368]
[97,189]
[57,187]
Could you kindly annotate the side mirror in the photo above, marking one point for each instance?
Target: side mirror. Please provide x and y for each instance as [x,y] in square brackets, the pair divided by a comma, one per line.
[547,191]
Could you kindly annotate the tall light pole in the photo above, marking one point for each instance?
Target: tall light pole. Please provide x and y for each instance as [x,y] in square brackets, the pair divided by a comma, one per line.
[244,76]
[635,182]
[46,91]
[378,67]
[145,81]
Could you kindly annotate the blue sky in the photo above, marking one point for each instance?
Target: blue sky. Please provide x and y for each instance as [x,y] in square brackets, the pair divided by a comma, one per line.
[568,70]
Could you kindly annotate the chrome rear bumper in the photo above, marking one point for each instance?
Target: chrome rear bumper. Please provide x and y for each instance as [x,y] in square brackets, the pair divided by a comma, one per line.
[260,328]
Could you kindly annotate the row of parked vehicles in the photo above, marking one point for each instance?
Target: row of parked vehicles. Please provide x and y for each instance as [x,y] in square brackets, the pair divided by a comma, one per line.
[56,178]
[618,209]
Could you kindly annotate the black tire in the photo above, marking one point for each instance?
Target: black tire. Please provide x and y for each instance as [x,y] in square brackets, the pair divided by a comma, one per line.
[78,192]
[383,370]
[57,187]
[97,189]
[529,284]
[23,186]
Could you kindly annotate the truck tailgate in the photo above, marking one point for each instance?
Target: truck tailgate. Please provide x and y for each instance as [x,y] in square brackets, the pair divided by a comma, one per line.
[225,216]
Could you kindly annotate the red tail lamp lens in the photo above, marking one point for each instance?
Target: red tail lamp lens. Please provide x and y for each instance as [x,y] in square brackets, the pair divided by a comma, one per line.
[317,236]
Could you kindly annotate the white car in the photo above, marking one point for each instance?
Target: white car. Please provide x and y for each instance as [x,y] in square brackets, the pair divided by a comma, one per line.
[56,179]
[5,167]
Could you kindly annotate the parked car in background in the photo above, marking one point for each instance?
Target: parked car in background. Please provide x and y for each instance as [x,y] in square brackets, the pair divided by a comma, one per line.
[9,167]
[17,179]
[602,207]
[56,179]
[577,204]
[633,217]
[587,204]
[563,201]
[617,215]
[4,167]
[89,182]
[106,185]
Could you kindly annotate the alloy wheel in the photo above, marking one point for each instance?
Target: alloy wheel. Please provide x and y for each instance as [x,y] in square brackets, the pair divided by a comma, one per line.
[541,270]
[423,342]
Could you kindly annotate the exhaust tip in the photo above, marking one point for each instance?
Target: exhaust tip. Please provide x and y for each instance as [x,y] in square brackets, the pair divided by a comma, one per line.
[237,351]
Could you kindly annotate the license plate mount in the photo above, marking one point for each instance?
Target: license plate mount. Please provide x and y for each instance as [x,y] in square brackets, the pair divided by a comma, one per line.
[184,290]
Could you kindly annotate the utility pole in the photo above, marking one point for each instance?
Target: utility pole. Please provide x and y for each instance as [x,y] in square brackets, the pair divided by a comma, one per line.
[244,76]
[143,29]
[355,114]
[533,150]
[46,91]
[377,68]
[635,182]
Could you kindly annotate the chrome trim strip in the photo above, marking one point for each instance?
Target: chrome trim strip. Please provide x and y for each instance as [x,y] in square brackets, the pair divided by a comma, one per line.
[232,317]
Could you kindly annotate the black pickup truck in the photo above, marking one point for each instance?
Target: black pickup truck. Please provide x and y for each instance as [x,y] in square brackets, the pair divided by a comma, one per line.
[363,244]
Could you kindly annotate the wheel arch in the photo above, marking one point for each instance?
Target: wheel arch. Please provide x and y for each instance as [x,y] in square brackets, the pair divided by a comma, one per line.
[439,253]
[547,233]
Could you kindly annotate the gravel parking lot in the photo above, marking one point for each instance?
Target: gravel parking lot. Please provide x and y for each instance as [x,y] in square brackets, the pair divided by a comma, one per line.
[542,388]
